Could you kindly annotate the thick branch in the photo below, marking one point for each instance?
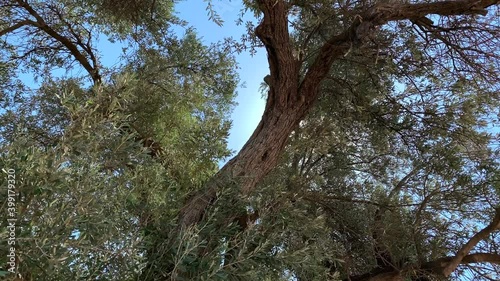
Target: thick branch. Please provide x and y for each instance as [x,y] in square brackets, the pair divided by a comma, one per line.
[288,102]
[12,28]
[462,253]
[481,258]
[40,23]
[378,15]
[443,266]
[403,182]
[435,267]
[438,266]
[78,38]
[273,32]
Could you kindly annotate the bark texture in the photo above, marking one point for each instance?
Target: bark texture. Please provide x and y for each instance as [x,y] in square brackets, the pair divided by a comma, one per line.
[442,267]
[290,98]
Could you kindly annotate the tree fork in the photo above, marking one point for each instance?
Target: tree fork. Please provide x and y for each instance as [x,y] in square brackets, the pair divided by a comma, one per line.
[289,99]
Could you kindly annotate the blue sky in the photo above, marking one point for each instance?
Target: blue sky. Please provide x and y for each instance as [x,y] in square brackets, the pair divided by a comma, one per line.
[252,70]
[250,106]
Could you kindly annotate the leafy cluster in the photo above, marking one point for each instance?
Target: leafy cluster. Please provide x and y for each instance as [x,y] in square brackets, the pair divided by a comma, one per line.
[102,168]
[393,169]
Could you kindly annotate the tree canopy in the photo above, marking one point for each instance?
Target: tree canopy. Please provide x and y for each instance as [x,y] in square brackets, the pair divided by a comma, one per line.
[377,156]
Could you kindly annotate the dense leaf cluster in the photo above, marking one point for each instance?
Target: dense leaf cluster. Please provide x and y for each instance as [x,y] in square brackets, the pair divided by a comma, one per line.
[392,171]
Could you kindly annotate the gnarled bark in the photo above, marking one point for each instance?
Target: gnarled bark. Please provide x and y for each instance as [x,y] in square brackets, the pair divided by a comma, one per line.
[290,98]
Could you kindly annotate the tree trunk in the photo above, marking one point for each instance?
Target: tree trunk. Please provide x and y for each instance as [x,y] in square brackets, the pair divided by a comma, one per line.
[255,160]
[290,96]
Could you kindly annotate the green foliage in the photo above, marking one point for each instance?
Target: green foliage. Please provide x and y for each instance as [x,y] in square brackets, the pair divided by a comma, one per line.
[396,163]
[398,156]
[92,204]
[88,192]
